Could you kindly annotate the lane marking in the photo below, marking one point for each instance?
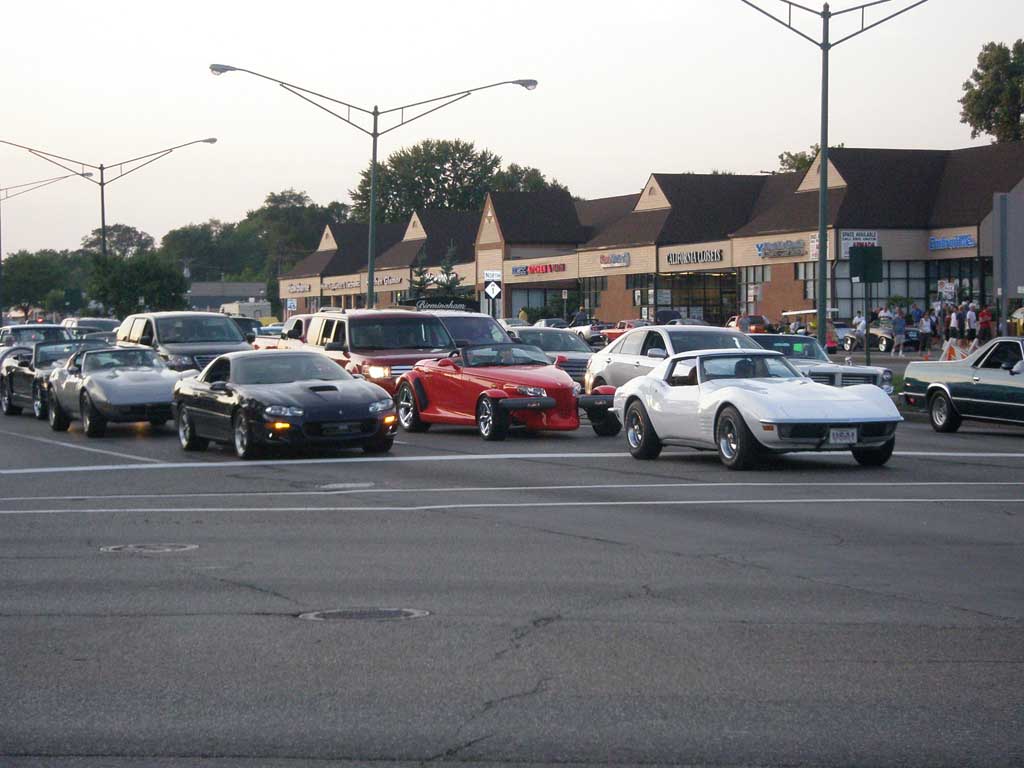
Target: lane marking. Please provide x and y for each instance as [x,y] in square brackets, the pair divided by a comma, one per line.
[62,444]
[518,505]
[236,465]
[346,489]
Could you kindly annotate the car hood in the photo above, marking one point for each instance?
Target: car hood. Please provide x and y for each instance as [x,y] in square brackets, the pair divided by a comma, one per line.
[205,348]
[582,356]
[528,375]
[125,386]
[806,400]
[806,366]
[321,400]
[397,357]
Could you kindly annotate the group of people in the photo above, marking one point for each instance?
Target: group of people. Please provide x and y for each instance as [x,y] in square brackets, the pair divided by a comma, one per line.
[964,323]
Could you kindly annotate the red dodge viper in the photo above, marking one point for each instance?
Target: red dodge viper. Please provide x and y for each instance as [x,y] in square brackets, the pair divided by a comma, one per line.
[495,387]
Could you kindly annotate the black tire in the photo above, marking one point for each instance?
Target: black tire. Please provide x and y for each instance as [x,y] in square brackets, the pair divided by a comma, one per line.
[409,410]
[737,448]
[942,414]
[883,344]
[243,441]
[379,445]
[605,423]
[643,441]
[491,420]
[93,423]
[187,436]
[58,420]
[39,402]
[7,400]
[874,457]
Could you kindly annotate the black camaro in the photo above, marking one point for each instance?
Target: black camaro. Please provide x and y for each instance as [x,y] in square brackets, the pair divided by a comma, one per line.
[24,374]
[288,398]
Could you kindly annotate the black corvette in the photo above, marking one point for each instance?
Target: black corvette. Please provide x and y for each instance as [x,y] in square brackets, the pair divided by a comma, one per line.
[289,398]
[25,374]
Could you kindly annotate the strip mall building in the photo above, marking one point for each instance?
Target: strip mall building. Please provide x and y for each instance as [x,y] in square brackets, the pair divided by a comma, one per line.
[708,246]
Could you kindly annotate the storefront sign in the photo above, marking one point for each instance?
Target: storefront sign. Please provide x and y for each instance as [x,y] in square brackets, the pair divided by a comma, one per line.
[300,288]
[388,280]
[707,256]
[342,285]
[451,303]
[853,237]
[781,249]
[522,270]
[951,243]
[613,260]
[493,275]
[291,305]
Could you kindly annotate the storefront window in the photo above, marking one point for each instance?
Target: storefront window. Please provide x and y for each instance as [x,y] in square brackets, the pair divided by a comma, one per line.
[749,279]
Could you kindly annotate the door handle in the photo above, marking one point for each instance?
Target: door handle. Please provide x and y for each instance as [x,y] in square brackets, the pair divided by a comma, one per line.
[976,379]
[636,364]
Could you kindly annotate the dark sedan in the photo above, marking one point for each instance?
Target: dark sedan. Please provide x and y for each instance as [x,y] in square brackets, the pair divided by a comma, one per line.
[24,376]
[288,398]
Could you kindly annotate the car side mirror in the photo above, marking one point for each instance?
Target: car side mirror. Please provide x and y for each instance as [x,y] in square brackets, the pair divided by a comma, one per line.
[75,369]
[250,337]
[657,353]
[220,386]
[146,341]
[334,346]
[447,362]
[1018,369]
[293,333]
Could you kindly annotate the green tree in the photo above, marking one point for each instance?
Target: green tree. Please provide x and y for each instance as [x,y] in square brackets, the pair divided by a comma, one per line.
[148,280]
[439,174]
[421,279]
[993,100]
[448,279]
[801,161]
[29,277]
[122,240]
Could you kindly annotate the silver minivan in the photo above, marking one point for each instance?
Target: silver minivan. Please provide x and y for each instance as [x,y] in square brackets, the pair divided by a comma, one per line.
[636,352]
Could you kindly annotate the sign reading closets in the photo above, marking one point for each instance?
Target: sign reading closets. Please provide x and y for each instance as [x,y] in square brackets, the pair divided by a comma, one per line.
[706,256]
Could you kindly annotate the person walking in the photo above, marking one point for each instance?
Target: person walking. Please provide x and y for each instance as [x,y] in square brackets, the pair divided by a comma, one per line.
[860,329]
[523,316]
[954,323]
[899,332]
[580,318]
[984,325]
[926,327]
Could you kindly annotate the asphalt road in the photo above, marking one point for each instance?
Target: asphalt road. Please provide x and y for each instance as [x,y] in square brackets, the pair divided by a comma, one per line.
[584,608]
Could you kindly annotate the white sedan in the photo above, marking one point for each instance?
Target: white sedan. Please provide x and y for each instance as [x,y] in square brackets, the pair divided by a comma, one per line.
[749,403]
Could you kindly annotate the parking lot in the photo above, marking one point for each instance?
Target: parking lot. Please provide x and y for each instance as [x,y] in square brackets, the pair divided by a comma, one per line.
[581,607]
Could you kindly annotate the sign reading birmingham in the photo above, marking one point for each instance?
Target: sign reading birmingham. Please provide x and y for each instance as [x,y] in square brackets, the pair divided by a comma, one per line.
[451,303]
[949,243]
[708,256]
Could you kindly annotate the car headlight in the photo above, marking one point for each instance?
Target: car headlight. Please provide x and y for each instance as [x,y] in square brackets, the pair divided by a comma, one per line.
[532,391]
[377,406]
[276,411]
[180,362]
[377,371]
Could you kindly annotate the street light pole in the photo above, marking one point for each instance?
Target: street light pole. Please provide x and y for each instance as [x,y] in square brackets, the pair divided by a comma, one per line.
[136,162]
[374,134]
[826,45]
[22,189]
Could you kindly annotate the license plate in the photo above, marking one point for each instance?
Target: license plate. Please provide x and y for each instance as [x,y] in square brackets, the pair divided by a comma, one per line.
[842,436]
[338,429]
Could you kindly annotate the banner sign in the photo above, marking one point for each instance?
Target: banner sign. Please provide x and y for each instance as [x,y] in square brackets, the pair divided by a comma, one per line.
[708,256]
[522,270]
[951,243]
[449,303]
[850,238]
[613,260]
[781,249]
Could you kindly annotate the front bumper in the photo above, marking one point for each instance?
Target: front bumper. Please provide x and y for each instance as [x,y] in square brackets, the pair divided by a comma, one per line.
[125,414]
[595,402]
[785,437]
[325,434]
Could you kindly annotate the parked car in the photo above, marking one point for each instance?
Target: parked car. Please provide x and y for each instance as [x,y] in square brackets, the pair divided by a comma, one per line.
[590,330]
[551,322]
[495,387]
[806,355]
[97,323]
[642,349]
[289,398]
[291,334]
[512,322]
[30,333]
[880,336]
[274,329]
[749,323]
[987,386]
[608,335]
[24,376]
[747,404]
[686,321]
[567,350]
[805,322]
[113,384]
[247,325]
[184,340]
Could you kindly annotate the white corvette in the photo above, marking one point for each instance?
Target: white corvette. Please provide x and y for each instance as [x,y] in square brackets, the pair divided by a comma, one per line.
[748,403]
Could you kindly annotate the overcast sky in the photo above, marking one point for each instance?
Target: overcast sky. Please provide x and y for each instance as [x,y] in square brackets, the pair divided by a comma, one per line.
[626,89]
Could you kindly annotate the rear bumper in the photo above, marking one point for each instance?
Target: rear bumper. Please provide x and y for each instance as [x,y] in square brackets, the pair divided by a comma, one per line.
[526,403]
[595,402]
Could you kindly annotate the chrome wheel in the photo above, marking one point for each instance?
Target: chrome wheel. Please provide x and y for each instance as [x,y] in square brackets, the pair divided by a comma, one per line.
[86,414]
[485,417]
[184,429]
[5,398]
[727,441]
[634,429]
[940,411]
[406,407]
[241,437]
[38,406]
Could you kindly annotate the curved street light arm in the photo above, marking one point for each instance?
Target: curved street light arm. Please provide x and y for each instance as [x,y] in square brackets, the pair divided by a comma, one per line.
[32,186]
[162,152]
[875,24]
[459,97]
[294,92]
[219,69]
[528,84]
[788,25]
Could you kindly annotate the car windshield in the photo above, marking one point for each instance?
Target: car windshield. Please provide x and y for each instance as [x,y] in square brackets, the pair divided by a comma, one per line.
[195,329]
[417,331]
[247,324]
[32,335]
[553,340]
[111,359]
[688,341]
[274,368]
[746,367]
[794,349]
[469,329]
[503,354]
[99,323]
[48,354]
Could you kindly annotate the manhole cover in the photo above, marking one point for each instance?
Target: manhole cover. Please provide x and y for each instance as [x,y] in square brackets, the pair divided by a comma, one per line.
[365,614]
[149,549]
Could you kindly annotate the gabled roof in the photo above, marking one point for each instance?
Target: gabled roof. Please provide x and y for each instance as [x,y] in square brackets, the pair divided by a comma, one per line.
[532,218]
[888,188]
[311,266]
[970,179]
[352,238]
[704,207]
[443,228]
[595,215]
